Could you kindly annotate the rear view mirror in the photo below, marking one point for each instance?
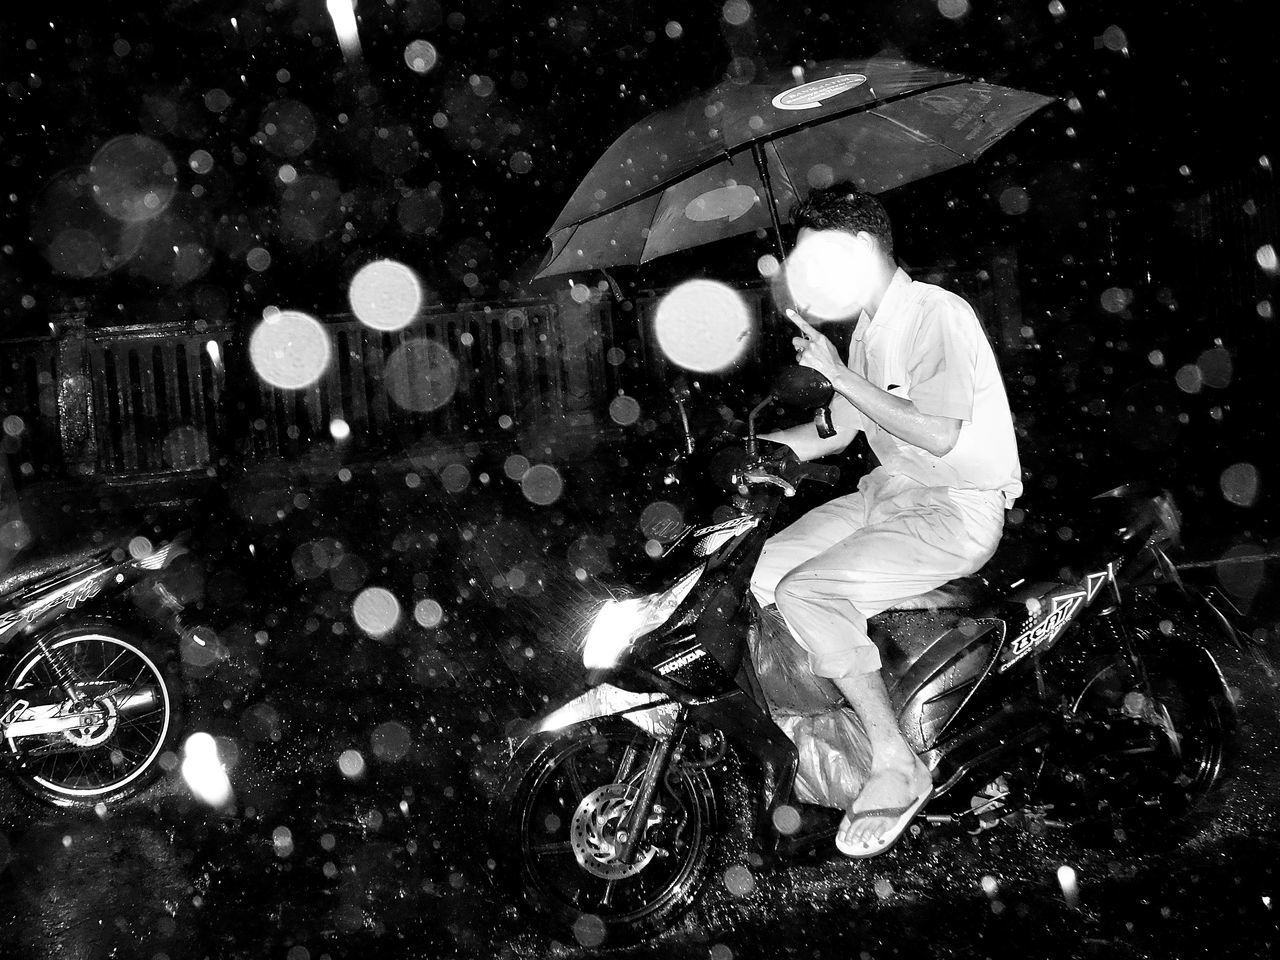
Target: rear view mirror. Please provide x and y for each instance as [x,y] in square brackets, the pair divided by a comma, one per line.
[803,387]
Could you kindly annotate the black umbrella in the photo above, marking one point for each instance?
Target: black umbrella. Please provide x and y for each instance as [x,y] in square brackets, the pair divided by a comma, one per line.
[736,159]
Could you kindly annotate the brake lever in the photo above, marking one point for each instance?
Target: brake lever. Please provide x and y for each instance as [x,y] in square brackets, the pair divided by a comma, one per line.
[761,476]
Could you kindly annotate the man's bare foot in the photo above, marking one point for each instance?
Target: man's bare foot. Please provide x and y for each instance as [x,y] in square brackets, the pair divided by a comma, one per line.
[890,786]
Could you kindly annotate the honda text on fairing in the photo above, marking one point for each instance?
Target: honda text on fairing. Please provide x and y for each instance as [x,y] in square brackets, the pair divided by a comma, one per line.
[87,707]
[1091,697]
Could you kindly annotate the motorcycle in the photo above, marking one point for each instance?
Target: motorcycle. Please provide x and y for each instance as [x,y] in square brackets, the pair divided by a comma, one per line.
[87,709]
[1091,696]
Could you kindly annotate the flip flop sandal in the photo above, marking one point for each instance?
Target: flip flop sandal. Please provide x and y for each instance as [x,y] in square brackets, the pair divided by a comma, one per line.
[903,817]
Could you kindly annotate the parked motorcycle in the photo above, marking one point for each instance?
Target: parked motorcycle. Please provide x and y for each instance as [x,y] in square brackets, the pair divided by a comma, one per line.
[1090,696]
[87,707]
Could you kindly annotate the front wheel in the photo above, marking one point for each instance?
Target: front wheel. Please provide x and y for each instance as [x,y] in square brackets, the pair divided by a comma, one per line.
[562,824]
[102,742]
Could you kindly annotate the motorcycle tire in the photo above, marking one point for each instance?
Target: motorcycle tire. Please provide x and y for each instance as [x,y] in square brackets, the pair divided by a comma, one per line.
[1163,796]
[112,761]
[557,830]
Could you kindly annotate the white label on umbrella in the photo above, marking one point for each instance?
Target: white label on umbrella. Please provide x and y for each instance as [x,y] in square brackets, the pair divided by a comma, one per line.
[809,95]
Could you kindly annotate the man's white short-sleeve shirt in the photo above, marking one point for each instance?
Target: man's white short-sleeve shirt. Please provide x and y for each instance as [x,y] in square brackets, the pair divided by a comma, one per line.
[926,344]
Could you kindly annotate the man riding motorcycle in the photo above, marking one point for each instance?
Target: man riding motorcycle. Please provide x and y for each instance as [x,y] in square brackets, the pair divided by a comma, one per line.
[923,385]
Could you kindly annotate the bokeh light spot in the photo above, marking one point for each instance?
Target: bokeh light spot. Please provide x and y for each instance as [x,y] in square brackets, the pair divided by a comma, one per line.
[420,56]
[739,881]
[289,349]
[542,484]
[702,325]
[134,178]
[1239,483]
[385,295]
[351,763]
[428,613]
[376,611]
[624,410]
[421,375]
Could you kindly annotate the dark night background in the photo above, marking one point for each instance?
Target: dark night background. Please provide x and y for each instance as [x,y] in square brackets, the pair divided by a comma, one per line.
[1136,221]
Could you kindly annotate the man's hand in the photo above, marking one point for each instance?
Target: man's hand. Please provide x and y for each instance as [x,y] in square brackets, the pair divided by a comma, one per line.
[814,350]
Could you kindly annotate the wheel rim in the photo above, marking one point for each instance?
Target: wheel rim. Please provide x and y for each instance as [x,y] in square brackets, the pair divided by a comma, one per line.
[100,759]
[568,821]
[1192,731]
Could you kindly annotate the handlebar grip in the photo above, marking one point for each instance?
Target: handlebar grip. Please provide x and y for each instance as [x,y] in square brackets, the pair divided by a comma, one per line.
[822,420]
[820,473]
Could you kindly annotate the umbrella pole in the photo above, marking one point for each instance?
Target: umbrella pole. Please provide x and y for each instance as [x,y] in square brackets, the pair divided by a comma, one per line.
[762,167]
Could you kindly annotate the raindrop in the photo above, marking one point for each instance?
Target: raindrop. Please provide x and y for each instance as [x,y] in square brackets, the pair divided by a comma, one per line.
[662,521]
[589,930]
[953,9]
[1114,39]
[786,819]
[703,325]
[1116,299]
[351,763]
[455,477]
[140,548]
[624,410]
[1266,257]
[390,741]
[1014,201]
[1070,887]
[768,266]
[736,12]
[428,613]
[134,178]
[286,128]
[674,30]
[420,56]
[1239,483]
[376,611]
[421,375]
[203,771]
[1057,9]
[339,429]
[13,425]
[989,885]
[385,295]
[884,888]
[739,881]
[201,161]
[720,951]
[1188,378]
[542,484]
[282,840]
[289,349]
[515,466]
[1215,367]
[258,259]
[520,162]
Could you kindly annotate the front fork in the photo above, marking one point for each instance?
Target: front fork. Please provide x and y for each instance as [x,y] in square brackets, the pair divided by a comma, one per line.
[654,773]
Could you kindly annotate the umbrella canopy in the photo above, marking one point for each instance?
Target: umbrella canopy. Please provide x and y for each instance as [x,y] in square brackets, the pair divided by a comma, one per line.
[692,174]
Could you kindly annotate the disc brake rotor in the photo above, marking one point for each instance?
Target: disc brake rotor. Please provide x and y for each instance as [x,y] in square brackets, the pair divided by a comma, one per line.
[594,833]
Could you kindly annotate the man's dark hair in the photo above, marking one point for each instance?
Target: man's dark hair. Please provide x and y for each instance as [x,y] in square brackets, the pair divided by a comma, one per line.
[842,206]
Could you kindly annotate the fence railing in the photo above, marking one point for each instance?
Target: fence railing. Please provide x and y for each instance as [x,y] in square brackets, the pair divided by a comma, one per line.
[144,400]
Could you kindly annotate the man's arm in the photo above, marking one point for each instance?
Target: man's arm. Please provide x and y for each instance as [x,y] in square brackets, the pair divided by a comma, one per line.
[803,439]
[898,415]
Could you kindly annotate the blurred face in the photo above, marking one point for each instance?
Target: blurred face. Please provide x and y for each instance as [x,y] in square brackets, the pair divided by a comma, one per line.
[830,273]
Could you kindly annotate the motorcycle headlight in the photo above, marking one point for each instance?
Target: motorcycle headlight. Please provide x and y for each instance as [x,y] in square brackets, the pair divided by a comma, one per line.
[621,622]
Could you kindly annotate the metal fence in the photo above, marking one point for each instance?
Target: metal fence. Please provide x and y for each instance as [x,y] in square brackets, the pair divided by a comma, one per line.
[132,401]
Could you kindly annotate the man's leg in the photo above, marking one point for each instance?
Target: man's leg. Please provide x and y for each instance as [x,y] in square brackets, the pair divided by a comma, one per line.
[826,601]
[897,776]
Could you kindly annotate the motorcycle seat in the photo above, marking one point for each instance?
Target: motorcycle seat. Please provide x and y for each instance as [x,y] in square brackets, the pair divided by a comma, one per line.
[37,567]
[961,594]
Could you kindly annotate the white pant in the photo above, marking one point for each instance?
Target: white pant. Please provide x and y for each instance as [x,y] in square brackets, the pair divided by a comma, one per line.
[858,555]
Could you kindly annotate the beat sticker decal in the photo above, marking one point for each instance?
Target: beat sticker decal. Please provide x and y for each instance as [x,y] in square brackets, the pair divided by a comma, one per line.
[809,95]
